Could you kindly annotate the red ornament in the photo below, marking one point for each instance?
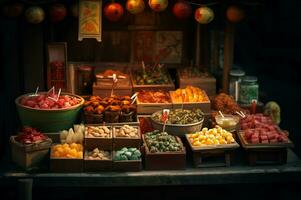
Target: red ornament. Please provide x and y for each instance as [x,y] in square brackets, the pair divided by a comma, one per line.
[182,10]
[57,12]
[113,11]
[235,14]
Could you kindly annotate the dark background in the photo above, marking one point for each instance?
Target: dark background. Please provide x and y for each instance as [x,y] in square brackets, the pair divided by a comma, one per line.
[267,44]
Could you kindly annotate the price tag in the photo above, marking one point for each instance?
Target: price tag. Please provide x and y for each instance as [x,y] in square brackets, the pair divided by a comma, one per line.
[254,105]
[165,114]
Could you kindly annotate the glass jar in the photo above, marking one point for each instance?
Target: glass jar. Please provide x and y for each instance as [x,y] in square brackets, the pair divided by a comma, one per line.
[236,76]
[248,90]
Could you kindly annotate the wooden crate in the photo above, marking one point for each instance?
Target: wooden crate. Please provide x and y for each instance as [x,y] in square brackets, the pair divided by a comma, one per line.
[150,108]
[97,165]
[99,142]
[260,154]
[164,87]
[206,83]
[204,106]
[165,160]
[27,156]
[119,90]
[127,165]
[212,155]
[120,142]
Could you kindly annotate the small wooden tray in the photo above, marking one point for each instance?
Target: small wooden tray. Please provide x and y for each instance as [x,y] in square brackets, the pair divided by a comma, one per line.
[97,165]
[150,108]
[165,160]
[120,142]
[204,106]
[164,87]
[262,154]
[127,165]
[99,142]
[212,155]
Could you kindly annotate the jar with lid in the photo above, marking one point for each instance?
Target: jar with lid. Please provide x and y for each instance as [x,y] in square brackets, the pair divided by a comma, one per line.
[236,76]
[248,90]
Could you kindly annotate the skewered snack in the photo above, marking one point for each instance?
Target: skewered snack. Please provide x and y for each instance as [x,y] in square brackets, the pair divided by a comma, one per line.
[214,136]
[189,94]
[154,97]
[179,116]
[97,154]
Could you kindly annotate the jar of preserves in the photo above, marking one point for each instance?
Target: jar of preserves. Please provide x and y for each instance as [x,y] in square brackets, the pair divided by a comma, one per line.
[236,76]
[248,90]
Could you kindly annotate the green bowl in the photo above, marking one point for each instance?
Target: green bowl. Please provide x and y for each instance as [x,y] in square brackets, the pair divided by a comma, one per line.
[49,120]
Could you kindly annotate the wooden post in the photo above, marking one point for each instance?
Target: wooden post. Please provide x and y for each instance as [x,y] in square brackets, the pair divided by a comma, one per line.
[228,55]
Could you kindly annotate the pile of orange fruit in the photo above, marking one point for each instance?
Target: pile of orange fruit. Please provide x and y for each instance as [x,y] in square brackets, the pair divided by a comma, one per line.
[67,151]
[189,94]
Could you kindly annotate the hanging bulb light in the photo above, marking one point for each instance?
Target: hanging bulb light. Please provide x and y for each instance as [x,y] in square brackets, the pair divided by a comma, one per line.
[158,5]
[204,15]
[135,6]
[182,10]
[235,14]
[35,14]
[113,11]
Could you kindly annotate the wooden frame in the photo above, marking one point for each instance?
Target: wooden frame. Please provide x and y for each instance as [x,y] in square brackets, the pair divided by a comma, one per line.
[57,52]
[87,21]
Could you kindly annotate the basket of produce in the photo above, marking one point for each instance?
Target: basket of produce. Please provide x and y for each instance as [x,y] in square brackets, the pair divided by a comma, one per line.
[127,159]
[126,136]
[163,151]
[179,122]
[109,109]
[98,160]
[29,148]
[48,112]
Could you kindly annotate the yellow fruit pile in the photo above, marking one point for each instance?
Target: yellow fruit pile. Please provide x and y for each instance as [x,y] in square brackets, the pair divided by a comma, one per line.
[189,94]
[214,136]
[67,151]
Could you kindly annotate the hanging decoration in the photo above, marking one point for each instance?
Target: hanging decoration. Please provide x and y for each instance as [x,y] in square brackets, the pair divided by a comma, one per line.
[235,14]
[158,5]
[204,15]
[135,6]
[13,10]
[74,10]
[113,11]
[57,12]
[182,10]
[90,20]
[35,14]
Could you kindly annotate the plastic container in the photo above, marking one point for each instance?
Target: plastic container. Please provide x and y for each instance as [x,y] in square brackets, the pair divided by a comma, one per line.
[248,90]
[236,76]
[228,122]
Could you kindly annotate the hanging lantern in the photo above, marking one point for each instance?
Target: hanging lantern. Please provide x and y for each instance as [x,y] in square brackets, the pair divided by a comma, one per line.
[235,14]
[158,5]
[135,6]
[204,15]
[74,10]
[35,14]
[13,10]
[182,10]
[113,11]
[57,12]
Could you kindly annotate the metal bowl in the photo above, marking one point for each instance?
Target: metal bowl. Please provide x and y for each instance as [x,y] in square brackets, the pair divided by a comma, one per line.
[177,129]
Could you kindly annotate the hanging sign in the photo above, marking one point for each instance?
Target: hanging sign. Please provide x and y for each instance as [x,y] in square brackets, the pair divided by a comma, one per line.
[90,20]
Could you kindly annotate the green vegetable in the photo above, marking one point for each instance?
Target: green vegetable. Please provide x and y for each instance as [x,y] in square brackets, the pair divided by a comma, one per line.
[179,116]
[127,154]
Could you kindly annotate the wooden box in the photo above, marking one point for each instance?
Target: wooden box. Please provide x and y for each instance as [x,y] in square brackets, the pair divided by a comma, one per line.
[206,83]
[164,87]
[97,165]
[204,106]
[120,142]
[99,142]
[258,154]
[27,156]
[212,155]
[165,160]
[56,66]
[150,108]
[119,90]
[66,165]
[127,165]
